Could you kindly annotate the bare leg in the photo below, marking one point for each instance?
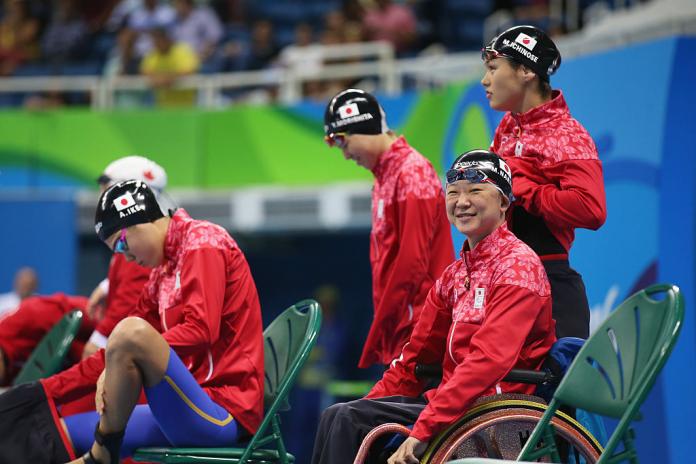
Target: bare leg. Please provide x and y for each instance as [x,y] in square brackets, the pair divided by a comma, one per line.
[136,356]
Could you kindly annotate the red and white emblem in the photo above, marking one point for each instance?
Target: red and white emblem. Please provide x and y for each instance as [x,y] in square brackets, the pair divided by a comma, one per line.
[124,201]
[526,41]
[349,110]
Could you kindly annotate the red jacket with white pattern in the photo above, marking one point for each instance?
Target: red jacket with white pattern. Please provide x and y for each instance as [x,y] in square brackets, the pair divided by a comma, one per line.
[500,321]
[203,300]
[556,172]
[410,246]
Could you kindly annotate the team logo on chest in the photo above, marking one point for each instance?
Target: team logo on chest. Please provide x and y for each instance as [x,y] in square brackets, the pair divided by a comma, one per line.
[479,298]
[518,149]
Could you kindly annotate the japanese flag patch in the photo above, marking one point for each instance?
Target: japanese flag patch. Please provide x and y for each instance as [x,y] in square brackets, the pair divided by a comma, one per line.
[124,201]
[348,111]
[526,41]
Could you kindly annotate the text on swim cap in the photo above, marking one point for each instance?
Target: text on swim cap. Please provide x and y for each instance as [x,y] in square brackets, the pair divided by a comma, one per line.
[352,120]
[131,210]
[518,48]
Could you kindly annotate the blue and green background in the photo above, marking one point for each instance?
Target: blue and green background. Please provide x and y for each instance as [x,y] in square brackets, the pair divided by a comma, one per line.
[637,102]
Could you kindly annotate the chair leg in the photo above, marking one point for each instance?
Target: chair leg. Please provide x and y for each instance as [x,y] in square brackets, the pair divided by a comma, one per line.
[280,446]
[542,433]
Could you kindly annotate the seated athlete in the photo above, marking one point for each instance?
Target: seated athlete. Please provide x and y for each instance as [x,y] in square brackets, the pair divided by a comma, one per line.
[23,328]
[488,313]
[194,341]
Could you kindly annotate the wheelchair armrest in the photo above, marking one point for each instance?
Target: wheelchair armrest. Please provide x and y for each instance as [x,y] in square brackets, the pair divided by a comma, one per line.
[434,371]
[530,376]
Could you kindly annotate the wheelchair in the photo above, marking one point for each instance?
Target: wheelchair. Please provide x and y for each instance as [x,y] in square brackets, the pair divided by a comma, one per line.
[611,375]
[496,426]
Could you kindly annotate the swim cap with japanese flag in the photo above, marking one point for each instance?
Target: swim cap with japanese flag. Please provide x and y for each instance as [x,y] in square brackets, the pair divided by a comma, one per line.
[527,45]
[354,111]
[123,205]
[479,166]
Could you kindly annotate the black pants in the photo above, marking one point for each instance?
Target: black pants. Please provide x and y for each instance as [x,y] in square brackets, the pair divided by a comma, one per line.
[570,307]
[28,431]
[343,426]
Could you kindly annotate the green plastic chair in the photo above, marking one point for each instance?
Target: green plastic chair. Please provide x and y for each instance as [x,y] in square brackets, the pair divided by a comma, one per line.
[288,341]
[49,355]
[613,373]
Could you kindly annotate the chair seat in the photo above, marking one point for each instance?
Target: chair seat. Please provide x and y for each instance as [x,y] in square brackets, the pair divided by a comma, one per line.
[207,455]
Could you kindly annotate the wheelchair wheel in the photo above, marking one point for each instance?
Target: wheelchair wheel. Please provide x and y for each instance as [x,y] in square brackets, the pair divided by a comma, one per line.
[498,427]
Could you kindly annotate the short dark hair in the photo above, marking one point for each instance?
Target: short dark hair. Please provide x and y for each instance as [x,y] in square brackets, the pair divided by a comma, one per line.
[543,87]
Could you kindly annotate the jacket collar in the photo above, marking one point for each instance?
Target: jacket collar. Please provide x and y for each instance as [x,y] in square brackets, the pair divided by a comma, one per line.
[554,108]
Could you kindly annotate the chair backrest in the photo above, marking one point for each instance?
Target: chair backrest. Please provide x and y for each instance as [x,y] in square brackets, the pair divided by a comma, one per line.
[618,364]
[48,356]
[288,341]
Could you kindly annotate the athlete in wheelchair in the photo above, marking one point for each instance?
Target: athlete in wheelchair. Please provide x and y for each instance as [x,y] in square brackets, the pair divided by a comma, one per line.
[486,323]
[488,313]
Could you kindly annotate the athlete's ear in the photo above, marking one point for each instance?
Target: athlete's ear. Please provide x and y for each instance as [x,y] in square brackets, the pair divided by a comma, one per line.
[504,201]
[525,73]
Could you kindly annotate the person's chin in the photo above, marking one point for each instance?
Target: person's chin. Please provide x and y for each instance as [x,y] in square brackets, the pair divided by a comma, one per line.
[497,105]
[466,227]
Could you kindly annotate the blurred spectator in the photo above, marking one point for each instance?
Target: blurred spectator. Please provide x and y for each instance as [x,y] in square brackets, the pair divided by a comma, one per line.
[168,61]
[197,26]
[304,58]
[333,23]
[232,12]
[18,36]
[353,10]
[394,23]
[353,32]
[96,14]
[258,54]
[149,15]
[263,47]
[123,61]
[65,36]
[25,284]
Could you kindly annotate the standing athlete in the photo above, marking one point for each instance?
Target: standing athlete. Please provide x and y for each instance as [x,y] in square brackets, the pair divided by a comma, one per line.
[410,241]
[558,182]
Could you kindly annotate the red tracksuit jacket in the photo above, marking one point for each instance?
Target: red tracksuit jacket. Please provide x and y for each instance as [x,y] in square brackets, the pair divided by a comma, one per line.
[556,172]
[410,246]
[21,330]
[501,320]
[203,300]
[126,282]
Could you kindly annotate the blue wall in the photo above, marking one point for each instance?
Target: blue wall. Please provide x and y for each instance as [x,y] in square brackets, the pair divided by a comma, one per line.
[38,231]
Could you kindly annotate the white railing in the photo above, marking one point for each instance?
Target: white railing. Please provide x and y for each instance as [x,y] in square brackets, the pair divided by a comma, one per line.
[433,69]
[288,79]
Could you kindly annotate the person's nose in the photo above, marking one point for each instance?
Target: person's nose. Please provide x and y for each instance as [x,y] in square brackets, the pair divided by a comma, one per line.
[463,202]
[485,80]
